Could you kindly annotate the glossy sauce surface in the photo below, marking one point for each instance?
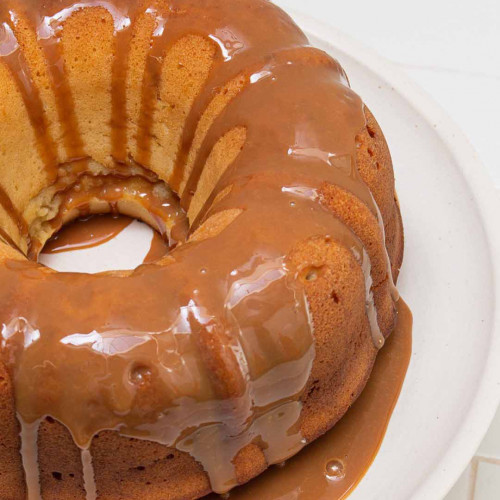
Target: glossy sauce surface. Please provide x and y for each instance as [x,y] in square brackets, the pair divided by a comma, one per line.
[95,230]
[157,250]
[87,233]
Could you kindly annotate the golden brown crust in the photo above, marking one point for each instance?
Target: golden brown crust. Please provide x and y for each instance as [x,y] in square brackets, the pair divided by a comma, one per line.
[375,167]
[11,472]
[61,473]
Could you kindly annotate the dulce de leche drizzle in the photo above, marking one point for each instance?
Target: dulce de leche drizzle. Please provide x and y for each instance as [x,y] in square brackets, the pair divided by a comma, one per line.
[212,347]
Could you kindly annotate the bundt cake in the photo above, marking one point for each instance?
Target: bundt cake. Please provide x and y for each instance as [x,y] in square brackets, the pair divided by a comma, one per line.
[216,123]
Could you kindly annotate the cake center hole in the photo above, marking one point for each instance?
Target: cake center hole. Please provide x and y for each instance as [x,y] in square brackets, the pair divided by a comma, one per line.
[102,243]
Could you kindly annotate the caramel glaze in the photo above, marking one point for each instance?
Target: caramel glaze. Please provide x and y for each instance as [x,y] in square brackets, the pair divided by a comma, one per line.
[157,250]
[333,465]
[211,348]
[148,379]
[87,233]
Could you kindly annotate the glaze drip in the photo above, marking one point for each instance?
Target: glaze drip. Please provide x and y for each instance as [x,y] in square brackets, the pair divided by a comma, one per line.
[29,454]
[88,475]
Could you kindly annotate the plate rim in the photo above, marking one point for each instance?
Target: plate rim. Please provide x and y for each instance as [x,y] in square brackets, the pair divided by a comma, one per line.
[486,402]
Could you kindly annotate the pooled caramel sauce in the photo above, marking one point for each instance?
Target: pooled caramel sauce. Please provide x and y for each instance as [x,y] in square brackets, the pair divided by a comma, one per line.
[87,233]
[213,348]
[157,250]
[163,211]
[332,466]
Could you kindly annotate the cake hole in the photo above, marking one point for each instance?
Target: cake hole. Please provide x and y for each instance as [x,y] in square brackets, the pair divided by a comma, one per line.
[140,467]
[371,132]
[335,297]
[311,274]
[102,243]
[57,476]
[312,390]
[140,375]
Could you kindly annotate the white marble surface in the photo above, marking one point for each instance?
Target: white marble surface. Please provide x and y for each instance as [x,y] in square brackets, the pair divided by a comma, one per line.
[451,48]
